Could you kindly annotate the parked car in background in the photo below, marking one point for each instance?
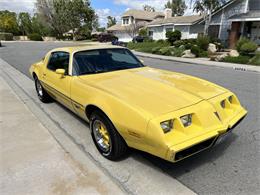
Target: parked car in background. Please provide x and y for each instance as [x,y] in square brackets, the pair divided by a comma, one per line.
[106,37]
[138,39]
[119,43]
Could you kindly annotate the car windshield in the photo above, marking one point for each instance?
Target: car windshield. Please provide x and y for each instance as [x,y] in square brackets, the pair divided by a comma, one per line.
[103,60]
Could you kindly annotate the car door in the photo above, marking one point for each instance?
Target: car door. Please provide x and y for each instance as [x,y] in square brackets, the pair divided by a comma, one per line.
[58,84]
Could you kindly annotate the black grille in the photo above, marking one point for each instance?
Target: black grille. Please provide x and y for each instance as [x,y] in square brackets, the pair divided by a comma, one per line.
[194,149]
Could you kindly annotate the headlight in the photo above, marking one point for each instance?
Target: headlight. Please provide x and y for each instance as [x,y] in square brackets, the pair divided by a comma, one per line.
[223,104]
[230,99]
[186,120]
[167,125]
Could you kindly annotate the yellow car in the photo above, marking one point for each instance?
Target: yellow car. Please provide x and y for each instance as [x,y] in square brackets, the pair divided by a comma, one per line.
[167,114]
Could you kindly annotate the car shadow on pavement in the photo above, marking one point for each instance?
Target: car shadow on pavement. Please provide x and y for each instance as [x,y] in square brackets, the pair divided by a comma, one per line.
[186,165]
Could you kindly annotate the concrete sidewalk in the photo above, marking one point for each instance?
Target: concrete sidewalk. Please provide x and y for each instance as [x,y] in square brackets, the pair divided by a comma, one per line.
[33,162]
[241,67]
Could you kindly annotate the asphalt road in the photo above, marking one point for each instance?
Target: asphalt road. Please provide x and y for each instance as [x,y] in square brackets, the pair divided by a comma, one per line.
[229,168]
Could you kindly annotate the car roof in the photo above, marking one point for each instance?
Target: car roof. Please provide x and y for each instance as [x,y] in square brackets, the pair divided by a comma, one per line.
[72,49]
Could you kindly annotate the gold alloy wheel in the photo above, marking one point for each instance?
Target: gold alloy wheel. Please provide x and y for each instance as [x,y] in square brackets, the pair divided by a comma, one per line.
[101,135]
[39,88]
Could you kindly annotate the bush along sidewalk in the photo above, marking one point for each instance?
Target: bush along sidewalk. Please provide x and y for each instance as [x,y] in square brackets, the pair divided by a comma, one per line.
[247,53]
[203,46]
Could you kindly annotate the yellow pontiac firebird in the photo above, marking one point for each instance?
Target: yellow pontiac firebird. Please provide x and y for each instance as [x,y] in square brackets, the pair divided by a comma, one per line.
[167,114]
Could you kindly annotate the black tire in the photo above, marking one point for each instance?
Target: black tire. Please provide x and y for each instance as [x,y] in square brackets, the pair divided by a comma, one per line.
[42,94]
[118,146]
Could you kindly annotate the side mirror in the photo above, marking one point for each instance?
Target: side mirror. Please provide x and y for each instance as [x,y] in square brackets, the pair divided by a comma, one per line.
[60,72]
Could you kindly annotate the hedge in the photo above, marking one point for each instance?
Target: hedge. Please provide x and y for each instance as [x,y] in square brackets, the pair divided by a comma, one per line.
[6,36]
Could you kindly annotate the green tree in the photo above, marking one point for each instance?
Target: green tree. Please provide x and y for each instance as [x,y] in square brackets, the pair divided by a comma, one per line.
[25,23]
[8,22]
[206,8]
[143,32]
[148,8]
[177,6]
[111,21]
[39,27]
[65,15]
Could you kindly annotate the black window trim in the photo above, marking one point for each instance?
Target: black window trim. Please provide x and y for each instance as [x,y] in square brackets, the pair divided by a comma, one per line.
[58,52]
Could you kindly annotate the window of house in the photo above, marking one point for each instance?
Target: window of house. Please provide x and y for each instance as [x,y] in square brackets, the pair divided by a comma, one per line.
[169,29]
[125,20]
[150,33]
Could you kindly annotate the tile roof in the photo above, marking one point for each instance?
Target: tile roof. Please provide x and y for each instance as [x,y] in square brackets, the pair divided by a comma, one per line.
[177,20]
[144,15]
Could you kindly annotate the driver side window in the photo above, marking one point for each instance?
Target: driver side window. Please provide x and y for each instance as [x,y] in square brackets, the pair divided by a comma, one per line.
[59,60]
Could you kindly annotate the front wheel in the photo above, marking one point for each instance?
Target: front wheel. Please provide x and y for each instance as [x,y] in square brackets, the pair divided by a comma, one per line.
[106,138]
[42,94]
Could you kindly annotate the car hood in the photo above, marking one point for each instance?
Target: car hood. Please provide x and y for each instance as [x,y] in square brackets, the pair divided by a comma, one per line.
[153,90]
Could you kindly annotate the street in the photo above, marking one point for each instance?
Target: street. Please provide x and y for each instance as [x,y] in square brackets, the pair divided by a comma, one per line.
[229,168]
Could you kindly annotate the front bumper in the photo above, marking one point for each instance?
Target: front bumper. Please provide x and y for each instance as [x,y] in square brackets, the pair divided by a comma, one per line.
[201,143]
[210,120]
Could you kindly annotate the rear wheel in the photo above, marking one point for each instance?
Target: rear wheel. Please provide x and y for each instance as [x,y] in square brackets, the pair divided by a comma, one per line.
[106,138]
[42,94]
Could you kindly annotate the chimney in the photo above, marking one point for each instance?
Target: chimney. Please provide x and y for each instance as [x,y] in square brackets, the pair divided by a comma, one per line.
[167,13]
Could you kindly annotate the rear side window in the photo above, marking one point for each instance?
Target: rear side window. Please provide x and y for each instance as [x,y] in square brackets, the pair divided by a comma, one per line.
[59,60]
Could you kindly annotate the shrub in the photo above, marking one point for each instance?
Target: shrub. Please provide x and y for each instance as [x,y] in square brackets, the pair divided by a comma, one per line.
[94,39]
[178,43]
[6,36]
[35,37]
[146,46]
[173,36]
[188,46]
[255,60]
[240,42]
[177,52]
[239,59]
[156,50]
[203,54]
[160,41]
[165,51]
[148,39]
[248,48]
[143,32]
[195,50]
[203,42]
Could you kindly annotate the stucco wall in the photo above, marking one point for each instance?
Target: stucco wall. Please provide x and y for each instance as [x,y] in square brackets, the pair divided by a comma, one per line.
[195,30]
[187,32]
[158,32]
[123,36]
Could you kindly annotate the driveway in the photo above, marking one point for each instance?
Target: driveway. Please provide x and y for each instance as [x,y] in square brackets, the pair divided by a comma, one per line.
[229,168]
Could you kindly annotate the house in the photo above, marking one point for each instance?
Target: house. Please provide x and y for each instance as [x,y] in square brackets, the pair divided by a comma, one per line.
[186,24]
[234,19]
[131,19]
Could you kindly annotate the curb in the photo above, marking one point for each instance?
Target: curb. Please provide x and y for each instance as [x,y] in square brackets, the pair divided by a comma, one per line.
[239,67]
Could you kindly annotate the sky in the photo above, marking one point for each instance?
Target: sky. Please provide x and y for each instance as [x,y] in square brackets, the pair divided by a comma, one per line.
[103,8]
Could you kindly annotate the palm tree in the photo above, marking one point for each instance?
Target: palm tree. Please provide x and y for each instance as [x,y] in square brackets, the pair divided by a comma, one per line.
[206,8]
[177,6]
